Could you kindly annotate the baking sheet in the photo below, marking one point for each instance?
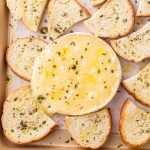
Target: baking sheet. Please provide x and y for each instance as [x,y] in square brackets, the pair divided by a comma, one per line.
[60,136]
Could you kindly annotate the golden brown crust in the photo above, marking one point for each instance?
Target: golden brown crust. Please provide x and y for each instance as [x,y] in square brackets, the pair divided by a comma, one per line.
[143,15]
[107,136]
[121,121]
[134,94]
[28,141]
[83,8]
[96,5]
[11,67]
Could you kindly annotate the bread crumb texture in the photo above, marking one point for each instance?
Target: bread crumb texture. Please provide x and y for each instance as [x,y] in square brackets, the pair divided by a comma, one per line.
[134,47]
[22,120]
[135,125]
[90,130]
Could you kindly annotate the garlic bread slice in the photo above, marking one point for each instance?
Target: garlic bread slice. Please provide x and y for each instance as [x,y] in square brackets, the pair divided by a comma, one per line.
[114,18]
[15,7]
[144,8]
[134,47]
[63,14]
[134,125]
[22,54]
[91,130]
[139,85]
[22,120]
[32,13]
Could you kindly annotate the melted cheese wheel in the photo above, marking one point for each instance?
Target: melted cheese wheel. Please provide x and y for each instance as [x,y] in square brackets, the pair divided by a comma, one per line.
[78,75]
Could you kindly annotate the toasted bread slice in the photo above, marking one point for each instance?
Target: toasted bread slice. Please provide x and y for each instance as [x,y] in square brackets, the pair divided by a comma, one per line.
[23,121]
[114,18]
[91,130]
[63,14]
[15,7]
[22,54]
[134,47]
[139,86]
[144,8]
[32,13]
[97,2]
[134,125]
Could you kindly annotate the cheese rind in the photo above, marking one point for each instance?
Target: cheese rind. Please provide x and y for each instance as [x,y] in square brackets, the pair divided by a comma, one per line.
[78,75]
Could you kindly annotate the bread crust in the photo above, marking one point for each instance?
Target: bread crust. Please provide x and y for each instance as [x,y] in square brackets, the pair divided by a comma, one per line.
[83,8]
[124,33]
[107,136]
[134,94]
[98,4]
[142,15]
[121,121]
[11,66]
[27,141]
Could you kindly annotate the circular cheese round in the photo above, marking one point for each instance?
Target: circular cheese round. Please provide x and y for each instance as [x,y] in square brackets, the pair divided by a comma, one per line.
[77,75]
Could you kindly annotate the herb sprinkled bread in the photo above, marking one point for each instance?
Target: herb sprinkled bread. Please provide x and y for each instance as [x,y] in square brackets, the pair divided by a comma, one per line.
[97,2]
[139,85]
[114,18]
[144,8]
[91,130]
[134,47]
[63,14]
[32,13]
[22,54]
[134,125]
[22,120]
[15,7]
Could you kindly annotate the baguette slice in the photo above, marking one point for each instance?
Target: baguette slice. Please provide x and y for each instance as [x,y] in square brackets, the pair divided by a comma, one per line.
[91,130]
[97,2]
[22,120]
[32,13]
[114,18]
[63,14]
[139,86]
[144,8]
[134,125]
[134,47]
[15,7]
[22,54]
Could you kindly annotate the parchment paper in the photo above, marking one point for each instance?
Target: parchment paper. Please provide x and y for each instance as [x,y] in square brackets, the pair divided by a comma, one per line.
[18,30]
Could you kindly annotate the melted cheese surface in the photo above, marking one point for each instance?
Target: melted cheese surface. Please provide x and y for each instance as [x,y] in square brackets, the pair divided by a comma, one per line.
[78,75]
